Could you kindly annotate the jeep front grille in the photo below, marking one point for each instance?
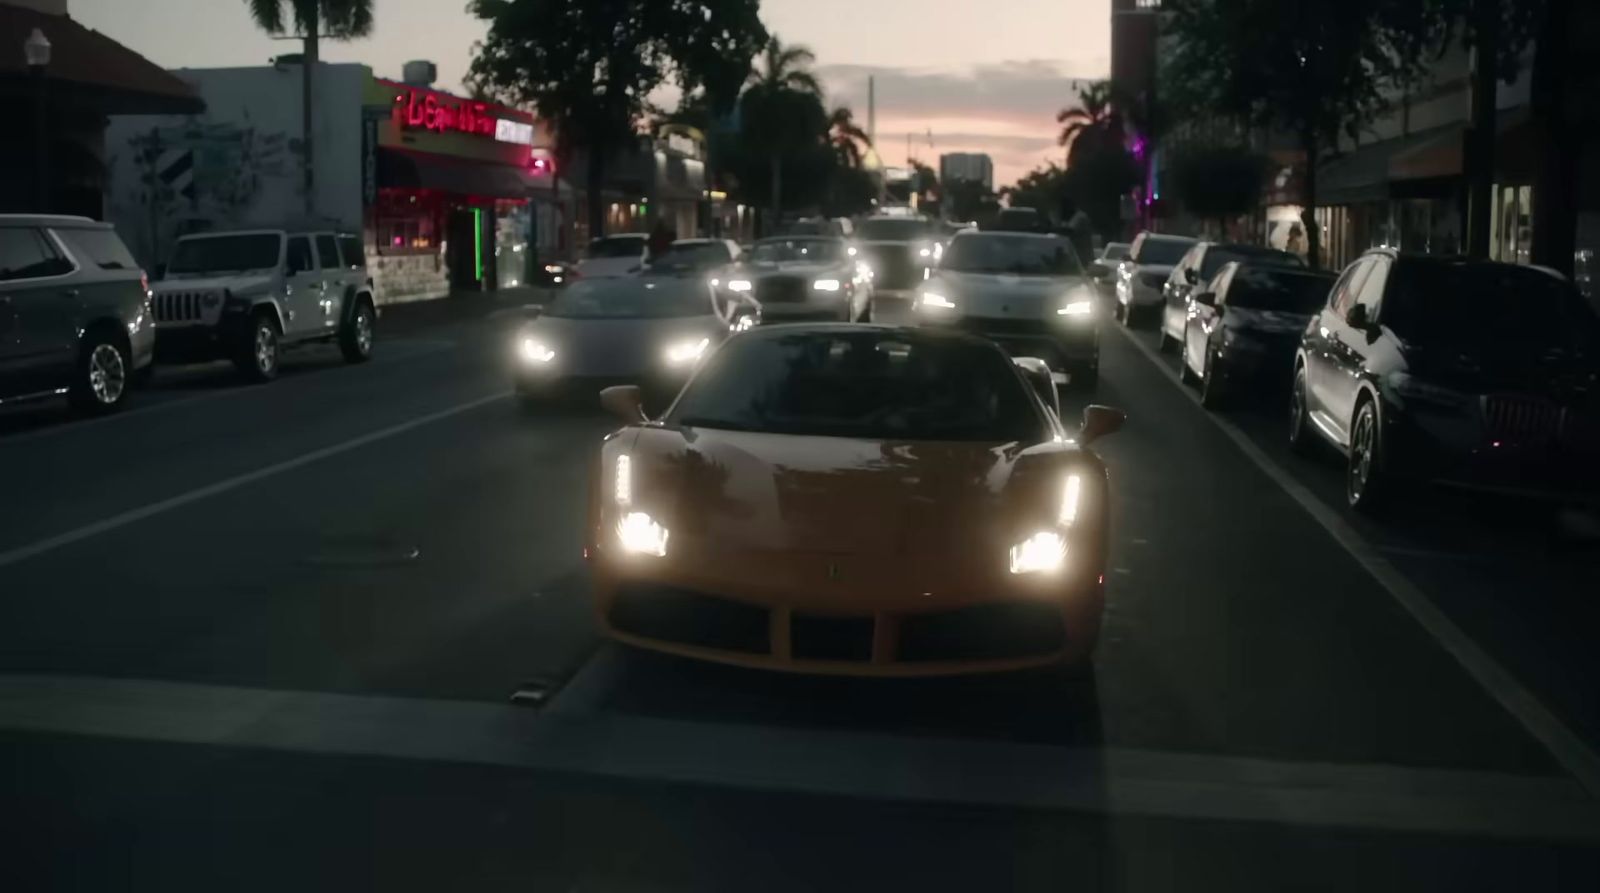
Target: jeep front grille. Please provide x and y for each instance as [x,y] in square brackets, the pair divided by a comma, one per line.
[184,306]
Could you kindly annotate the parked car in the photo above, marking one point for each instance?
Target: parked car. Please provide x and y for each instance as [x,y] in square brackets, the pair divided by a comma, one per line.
[1244,326]
[74,312]
[860,500]
[1021,220]
[1465,372]
[804,278]
[1026,292]
[1141,278]
[706,258]
[248,295]
[1103,269]
[622,254]
[899,249]
[649,331]
[839,227]
[1201,264]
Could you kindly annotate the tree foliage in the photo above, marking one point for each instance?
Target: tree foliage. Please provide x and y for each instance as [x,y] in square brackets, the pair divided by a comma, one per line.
[1217,182]
[847,137]
[1095,124]
[588,66]
[339,19]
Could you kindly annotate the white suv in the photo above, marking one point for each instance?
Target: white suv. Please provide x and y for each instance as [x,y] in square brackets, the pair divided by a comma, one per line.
[246,295]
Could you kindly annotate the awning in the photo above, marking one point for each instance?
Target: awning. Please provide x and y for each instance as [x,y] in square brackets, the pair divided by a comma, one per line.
[90,68]
[403,170]
[1364,174]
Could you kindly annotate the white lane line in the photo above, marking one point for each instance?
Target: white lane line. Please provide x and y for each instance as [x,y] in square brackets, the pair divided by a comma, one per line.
[21,553]
[1575,756]
[818,762]
[222,373]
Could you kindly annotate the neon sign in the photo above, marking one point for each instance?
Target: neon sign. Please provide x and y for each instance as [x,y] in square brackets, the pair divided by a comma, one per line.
[441,113]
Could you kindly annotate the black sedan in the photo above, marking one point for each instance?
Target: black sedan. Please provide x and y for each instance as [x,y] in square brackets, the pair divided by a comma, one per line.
[1462,372]
[1244,327]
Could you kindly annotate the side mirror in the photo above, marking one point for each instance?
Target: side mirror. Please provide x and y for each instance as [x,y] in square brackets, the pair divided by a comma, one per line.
[1206,299]
[624,401]
[1099,421]
[1191,275]
[1356,317]
[1037,372]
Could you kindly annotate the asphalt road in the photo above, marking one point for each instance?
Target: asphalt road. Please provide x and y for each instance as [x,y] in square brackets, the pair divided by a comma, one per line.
[331,633]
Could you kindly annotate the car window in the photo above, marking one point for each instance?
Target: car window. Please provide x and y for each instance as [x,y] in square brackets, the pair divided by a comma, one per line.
[98,248]
[908,229]
[1343,294]
[1277,290]
[226,254]
[25,253]
[1159,251]
[327,253]
[992,253]
[298,258]
[871,384]
[612,246]
[632,298]
[1501,309]
[1217,255]
[691,256]
[1371,293]
[352,252]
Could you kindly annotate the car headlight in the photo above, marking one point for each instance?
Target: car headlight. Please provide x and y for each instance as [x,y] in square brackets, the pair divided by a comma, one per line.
[622,485]
[1071,493]
[536,351]
[739,285]
[552,268]
[1081,309]
[826,285]
[641,535]
[934,299]
[1043,553]
[852,251]
[685,352]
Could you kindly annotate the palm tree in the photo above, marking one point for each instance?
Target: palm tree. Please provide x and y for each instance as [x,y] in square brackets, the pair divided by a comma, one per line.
[341,20]
[1095,121]
[847,137]
[782,68]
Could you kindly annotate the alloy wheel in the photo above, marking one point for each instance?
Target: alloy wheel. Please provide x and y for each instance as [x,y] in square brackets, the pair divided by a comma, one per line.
[1363,449]
[266,348]
[364,330]
[108,375]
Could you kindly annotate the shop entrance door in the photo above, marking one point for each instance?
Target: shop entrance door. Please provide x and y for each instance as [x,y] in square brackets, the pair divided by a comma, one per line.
[470,249]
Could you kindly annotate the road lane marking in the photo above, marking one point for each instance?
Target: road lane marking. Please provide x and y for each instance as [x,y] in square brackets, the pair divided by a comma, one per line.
[22,553]
[831,763]
[1575,756]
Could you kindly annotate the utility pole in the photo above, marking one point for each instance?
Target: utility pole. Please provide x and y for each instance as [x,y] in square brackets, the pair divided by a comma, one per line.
[872,109]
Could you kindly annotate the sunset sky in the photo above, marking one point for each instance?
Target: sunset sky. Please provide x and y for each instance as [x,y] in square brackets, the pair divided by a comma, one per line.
[983,75]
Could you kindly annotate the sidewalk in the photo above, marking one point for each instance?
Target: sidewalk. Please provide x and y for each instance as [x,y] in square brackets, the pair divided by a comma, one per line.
[456,307]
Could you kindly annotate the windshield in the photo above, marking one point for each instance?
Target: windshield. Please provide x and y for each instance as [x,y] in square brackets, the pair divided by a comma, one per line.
[694,256]
[1219,256]
[629,246]
[811,228]
[882,386]
[225,254]
[631,299]
[1115,251]
[894,229]
[1161,252]
[1253,288]
[1015,255]
[1486,306]
[811,251]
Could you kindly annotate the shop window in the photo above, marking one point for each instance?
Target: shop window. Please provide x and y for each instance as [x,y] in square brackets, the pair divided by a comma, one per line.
[404,221]
[1511,229]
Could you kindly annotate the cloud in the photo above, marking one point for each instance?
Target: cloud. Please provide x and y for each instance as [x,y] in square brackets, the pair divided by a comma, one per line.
[1007,109]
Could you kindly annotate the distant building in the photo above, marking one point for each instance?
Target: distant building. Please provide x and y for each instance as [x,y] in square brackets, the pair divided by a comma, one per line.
[974,167]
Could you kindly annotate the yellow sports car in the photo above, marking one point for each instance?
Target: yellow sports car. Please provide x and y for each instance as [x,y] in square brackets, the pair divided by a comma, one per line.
[853,499]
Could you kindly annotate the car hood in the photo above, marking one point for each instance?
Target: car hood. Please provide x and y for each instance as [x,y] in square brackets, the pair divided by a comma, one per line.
[1266,322]
[1569,374]
[791,268]
[204,282]
[620,348]
[1005,295]
[776,492]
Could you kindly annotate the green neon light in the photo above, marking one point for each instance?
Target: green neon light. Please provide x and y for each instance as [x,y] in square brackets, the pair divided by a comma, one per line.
[477,241]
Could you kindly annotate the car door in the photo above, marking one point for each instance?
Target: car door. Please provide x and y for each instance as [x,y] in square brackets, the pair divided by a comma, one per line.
[1178,288]
[303,301]
[1350,346]
[39,306]
[333,281]
[1321,344]
[1202,323]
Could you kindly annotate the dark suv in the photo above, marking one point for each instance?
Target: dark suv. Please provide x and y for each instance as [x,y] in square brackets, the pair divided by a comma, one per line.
[1464,372]
[74,312]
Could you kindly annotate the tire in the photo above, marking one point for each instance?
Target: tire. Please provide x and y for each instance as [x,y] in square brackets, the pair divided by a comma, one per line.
[356,335]
[1211,388]
[257,355]
[1185,374]
[1365,482]
[103,376]
[1299,425]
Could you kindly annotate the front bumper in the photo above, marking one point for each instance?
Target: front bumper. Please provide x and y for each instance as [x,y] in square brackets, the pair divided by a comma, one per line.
[658,387]
[840,615]
[1451,448]
[197,343]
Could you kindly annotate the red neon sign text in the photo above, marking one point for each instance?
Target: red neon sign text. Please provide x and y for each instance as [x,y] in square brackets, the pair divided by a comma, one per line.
[421,110]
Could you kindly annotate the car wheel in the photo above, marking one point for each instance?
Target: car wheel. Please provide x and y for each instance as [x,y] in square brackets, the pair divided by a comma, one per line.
[1185,374]
[1299,425]
[257,356]
[355,337]
[104,375]
[1210,385]
[1365,481]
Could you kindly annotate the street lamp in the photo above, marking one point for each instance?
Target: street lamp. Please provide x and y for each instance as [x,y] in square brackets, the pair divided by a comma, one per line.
[36,50]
